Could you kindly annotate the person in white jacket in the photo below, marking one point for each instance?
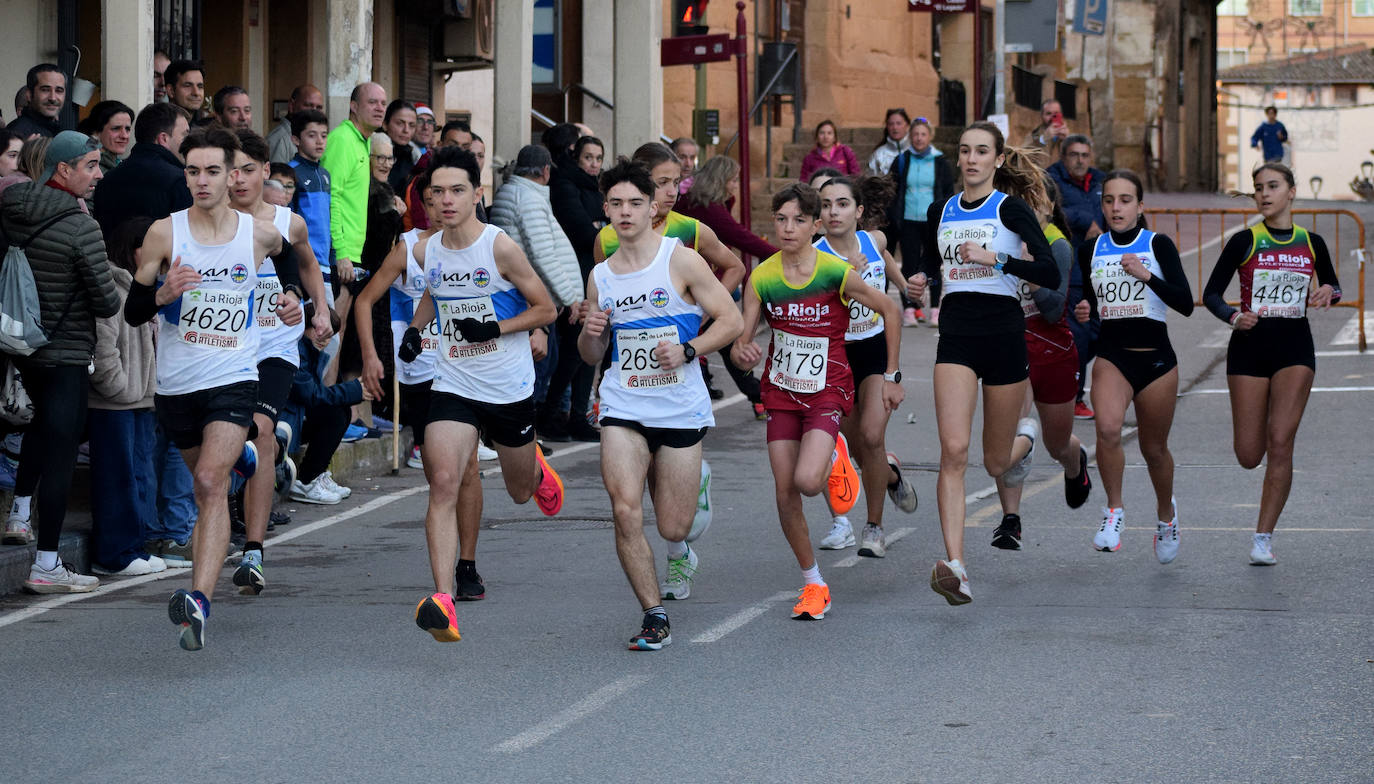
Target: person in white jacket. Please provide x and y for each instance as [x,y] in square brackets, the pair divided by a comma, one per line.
[522,210]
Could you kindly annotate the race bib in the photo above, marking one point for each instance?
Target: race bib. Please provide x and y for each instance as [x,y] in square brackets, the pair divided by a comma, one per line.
[1028,306]
[954,270]
[798,364]
[862,319]
[1118,294]
[214,318]
[638,360]
[452,347]
[1279,293]
[429,337]
[265,302]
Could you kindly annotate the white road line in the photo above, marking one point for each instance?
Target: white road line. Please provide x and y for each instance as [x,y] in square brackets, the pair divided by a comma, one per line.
[120,585]
[573,713]
[1221,338]
[1349,334]
[896,535]
[1346,353]
[1314,389]
[1226,235]
[742,617]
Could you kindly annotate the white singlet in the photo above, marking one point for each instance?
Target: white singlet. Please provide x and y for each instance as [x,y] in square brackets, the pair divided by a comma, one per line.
[207,338]
[982,225]
[1118,294]
[466,284]
[406,292]
[277,341]
[864,322]
[646,308]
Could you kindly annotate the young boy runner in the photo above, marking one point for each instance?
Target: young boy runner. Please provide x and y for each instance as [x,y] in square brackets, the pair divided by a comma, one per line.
[207,258]
[487,298]
[278,357]
[807,385]
[651,297]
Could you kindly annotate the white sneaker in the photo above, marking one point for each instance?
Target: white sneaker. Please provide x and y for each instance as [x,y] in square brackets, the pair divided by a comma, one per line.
[678,584]
[415,460]
[841,535]
[1108,538]
[702,519]
[1016,475]
[18,530]
[950,580]
[314,493]
[136,568]
[1262,552]
[874,543]
[1166,537]
[485,453]
[60,579]
[334,487]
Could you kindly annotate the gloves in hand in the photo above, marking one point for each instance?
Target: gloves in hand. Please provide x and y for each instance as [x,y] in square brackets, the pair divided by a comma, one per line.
[474,331]
[411,346]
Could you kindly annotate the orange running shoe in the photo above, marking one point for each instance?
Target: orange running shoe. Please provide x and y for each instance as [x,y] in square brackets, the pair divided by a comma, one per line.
[549,494]
[436,615]
[813,604]
[842,488]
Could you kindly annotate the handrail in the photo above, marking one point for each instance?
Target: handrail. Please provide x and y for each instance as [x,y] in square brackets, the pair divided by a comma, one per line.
[762,95]
[587,91]
[543,118]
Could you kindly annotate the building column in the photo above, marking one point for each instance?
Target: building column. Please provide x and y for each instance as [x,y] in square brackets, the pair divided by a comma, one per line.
[349,58]
[126,52]
[513,73]
[638,75]
[598,70]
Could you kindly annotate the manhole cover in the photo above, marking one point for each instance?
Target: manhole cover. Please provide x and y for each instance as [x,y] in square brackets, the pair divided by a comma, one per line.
[553,524]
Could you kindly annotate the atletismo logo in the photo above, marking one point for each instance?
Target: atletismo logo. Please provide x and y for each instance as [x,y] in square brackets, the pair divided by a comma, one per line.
[239,273]
[658,298]
[480,277]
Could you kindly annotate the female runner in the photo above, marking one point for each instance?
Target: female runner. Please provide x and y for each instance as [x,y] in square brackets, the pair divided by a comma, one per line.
[1270,361]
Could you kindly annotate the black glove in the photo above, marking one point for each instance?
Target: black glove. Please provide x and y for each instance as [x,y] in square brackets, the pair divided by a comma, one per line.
[474,331]
[411,345]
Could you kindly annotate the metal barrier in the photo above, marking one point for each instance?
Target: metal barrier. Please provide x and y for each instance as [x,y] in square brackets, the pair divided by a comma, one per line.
[1221,223]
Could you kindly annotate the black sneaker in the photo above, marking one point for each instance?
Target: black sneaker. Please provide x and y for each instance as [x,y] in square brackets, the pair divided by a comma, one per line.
[1076,489]
[579,429]
[552,428]
[653,636]
[470,587]
[279,518]
[1008,534]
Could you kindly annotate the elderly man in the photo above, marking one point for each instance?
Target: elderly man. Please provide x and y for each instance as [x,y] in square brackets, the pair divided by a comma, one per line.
[279,144]
[346,157]
[47,86]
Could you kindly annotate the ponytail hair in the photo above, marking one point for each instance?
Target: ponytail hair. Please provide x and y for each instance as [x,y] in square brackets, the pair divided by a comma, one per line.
[874,194]
[1022,176]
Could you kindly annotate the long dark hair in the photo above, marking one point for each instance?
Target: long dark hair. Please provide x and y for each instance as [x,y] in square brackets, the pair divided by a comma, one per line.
[127,239]
[1057,216]
[874,194]
[1134,179]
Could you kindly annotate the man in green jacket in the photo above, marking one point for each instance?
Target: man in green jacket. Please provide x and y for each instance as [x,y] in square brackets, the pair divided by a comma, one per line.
[346,159]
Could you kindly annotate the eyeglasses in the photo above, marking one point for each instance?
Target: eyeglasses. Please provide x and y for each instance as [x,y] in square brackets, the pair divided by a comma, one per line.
[426,120]
[384,158]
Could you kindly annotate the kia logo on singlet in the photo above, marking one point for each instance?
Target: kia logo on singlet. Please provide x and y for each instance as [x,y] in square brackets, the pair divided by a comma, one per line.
[658,298]
[239,273]
[480,277]
[631,302]
[459,278]
[212,273]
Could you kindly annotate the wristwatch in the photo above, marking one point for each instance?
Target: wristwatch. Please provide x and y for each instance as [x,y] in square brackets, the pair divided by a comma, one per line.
[689,352]
[894,377]
[1001,261]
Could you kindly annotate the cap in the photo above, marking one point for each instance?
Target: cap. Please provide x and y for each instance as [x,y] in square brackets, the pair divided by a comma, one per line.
[423,109]
[533,157]
[66,146]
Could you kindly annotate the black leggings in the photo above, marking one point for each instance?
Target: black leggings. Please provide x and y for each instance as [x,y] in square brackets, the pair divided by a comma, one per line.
[914,260]
[323,430]
[570,370]
[50,445]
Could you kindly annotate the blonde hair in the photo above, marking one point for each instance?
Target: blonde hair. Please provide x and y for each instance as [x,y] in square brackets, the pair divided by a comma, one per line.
[1022,175]
[711,181]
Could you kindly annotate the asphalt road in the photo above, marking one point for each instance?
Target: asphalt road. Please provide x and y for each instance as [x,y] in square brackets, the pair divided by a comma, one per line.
[1070,665]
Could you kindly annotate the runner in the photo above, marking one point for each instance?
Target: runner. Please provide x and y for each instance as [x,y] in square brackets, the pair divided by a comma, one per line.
[843,204]
[199,271]
[652,294]
[978,239]
[807,386]
[1053,363]
[277,353]
[1271,361]
[406,278]
[1134,276]
[487,298]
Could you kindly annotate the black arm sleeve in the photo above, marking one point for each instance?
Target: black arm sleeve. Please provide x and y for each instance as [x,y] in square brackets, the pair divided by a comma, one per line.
[1172,286]
[1326,273]
[287,265]
[1040,269]
[1085,268]
[141,304]
[1232,256]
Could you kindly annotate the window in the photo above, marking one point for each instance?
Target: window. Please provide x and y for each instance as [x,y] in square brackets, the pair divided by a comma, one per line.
[1344,94]
[1025,85]
[1227,58]
[1066,93]
[1363,8]
[1304,7]
[1234,8]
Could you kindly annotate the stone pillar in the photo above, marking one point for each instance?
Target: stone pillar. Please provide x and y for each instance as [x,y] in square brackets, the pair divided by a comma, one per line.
[513,72]
[638,76]
[349,58]
[598,70]
[126,52]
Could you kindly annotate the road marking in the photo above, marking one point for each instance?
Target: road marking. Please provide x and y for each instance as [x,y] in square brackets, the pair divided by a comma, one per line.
[896,535]
[1226,235]
[106,588]
[742,617]
[1349,334]
[1314,389]
[1221,338]
[573,713]
[1346,353]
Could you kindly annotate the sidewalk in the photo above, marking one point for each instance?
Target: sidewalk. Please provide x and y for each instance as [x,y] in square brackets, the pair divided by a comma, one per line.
[352,462]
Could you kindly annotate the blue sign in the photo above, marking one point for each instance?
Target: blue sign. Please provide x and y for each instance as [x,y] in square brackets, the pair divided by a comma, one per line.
[1090,17]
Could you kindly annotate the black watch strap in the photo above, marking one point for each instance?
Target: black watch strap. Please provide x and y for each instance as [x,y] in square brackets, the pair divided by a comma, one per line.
[689,351]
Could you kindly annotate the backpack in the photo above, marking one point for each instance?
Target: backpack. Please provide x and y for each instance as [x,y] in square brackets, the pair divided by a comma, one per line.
[21,322]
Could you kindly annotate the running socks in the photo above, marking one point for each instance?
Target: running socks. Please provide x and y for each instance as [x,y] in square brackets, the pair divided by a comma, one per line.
[812,576]
[658,610]
[677,549]
[247,546]
[47,559]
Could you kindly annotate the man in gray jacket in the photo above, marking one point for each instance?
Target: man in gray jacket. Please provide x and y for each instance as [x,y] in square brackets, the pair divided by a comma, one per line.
[522,210]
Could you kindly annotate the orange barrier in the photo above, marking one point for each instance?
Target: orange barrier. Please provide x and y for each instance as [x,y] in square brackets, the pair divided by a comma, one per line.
[1214,226]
